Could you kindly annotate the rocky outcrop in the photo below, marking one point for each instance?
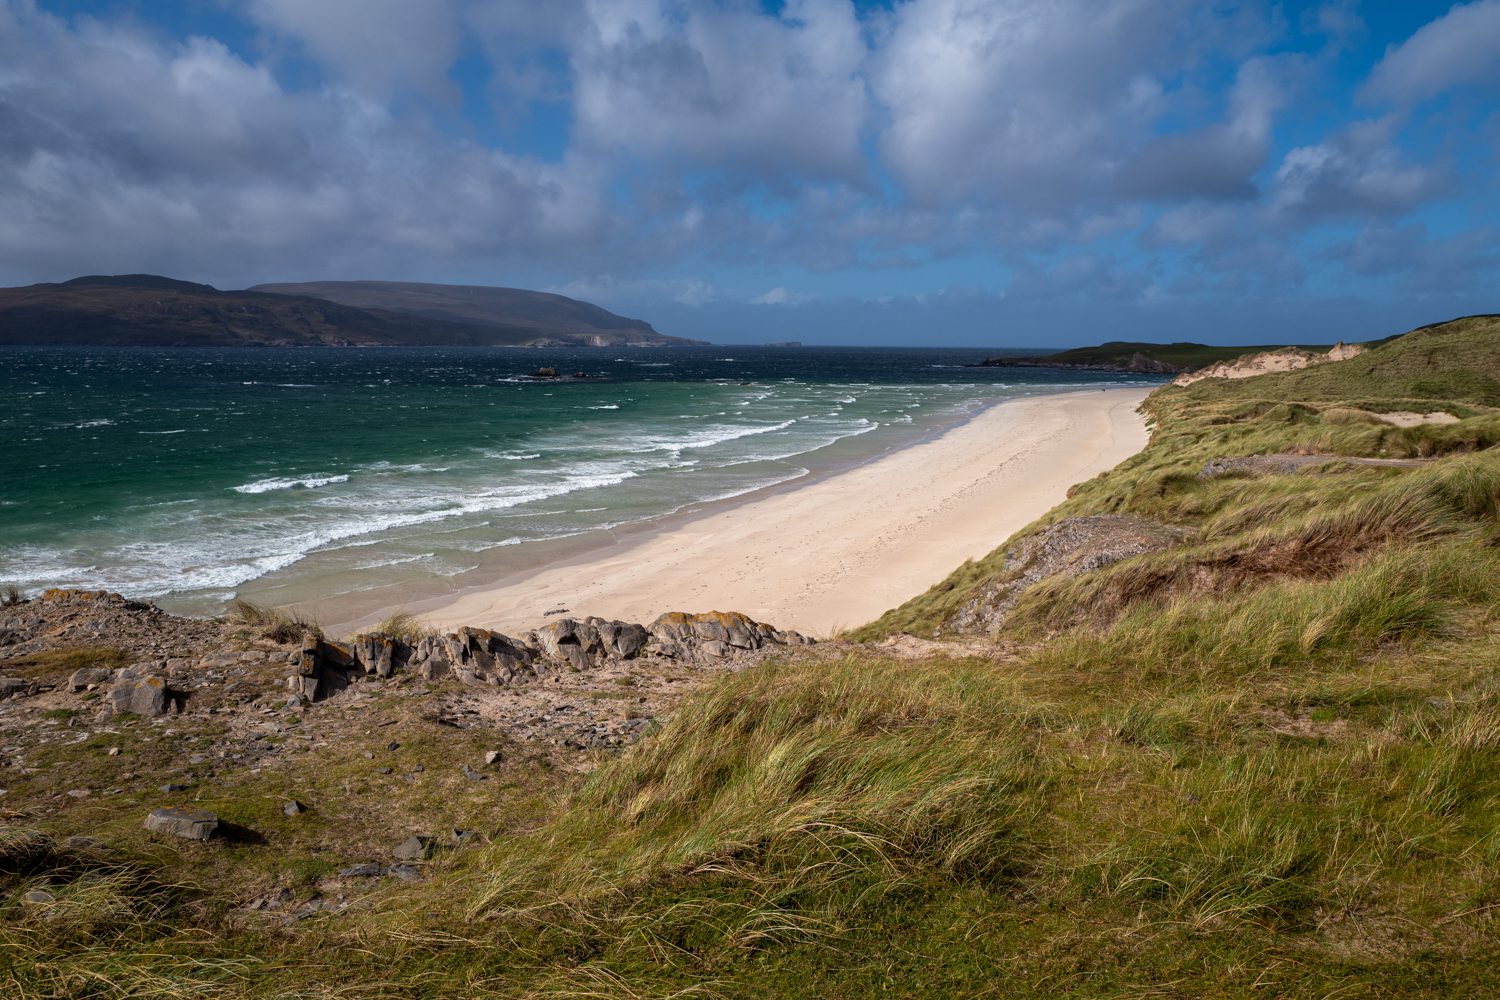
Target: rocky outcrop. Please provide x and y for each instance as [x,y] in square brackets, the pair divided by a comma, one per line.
[1071,547]
[480,656]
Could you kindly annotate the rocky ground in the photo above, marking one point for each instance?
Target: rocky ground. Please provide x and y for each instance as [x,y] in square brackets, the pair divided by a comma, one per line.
[305,770]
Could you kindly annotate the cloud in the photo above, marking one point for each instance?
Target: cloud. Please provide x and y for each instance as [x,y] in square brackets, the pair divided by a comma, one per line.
[1462,47]
[378,47]
[779,296]
[1356,172]
[724,88]
[127,152]
[1015,102]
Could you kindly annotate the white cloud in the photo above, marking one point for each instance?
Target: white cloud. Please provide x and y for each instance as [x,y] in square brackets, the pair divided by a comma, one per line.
[726,87]
[1461,47]
[1354,172]
[779,296]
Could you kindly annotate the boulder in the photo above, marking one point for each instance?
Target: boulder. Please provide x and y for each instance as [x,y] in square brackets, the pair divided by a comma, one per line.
[13,685]
[414,849]
[145,696]
[84,677]
[181,821]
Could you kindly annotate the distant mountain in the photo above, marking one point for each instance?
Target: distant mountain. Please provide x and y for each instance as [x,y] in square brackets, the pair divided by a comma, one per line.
[537,316]
[144,310]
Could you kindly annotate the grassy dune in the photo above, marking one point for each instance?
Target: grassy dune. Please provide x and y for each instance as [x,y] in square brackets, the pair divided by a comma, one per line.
[1262,762]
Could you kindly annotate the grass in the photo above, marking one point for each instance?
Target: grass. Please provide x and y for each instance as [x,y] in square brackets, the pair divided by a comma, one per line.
[404,625]
[276,624]
[1262,762]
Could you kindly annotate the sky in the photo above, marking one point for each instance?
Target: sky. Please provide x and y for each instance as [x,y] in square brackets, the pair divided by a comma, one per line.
[915,172]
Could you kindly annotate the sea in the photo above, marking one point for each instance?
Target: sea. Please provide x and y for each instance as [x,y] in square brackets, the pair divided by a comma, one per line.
[190,477]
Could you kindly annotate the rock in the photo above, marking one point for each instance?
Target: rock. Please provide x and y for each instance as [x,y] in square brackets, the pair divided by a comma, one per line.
[174,788]
[405,873]
[462,838]
[367,870]
[414,849]
[113,751]
[86,677]
[293,808]
[13,685]
[714,647]
[493,757]
[393,746]
[472,774]
[180,821]
[145,696]
[38,896]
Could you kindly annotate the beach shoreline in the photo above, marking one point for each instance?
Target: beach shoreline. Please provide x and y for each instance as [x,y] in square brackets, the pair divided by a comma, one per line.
[838,551]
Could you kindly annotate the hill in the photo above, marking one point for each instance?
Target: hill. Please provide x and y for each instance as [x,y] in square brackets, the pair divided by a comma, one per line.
[1132,356]
[153,311]
[1225,723]
[536,315]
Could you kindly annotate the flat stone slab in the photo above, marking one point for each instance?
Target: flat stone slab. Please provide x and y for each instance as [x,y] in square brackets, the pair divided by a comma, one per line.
[181,821]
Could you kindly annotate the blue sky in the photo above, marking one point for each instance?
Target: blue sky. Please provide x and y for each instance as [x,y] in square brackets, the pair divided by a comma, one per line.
[1000,173]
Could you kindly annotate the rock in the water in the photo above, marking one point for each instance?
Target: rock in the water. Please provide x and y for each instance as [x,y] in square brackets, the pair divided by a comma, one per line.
[146,696]
[180,821]
[83,677]
[413,849]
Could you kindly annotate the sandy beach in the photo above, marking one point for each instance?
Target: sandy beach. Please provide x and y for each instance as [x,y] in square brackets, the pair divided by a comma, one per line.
[838,552]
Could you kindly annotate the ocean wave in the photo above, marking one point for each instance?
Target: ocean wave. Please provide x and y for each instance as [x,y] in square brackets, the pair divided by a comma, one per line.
[300,482]
[86,424]
[179,430]
[606,406]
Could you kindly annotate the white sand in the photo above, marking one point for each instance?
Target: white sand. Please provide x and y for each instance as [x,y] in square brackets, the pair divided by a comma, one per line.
[840,551]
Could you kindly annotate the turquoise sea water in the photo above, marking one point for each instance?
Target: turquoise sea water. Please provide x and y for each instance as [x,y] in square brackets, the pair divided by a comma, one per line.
[184,476]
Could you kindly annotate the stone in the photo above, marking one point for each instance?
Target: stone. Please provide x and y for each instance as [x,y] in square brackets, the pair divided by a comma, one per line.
[37,896]
[145,696]
[493,757]
[13,685]
[414,849]
[293,808]
[393,746]
[405,873]
[113,751]
[716,647]
[367,870]
[170,788]
[472,774]
[86,677]
[180,821]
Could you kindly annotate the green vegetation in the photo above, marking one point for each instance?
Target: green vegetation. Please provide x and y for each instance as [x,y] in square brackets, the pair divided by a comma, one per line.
[1180,356]
[1264,761]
